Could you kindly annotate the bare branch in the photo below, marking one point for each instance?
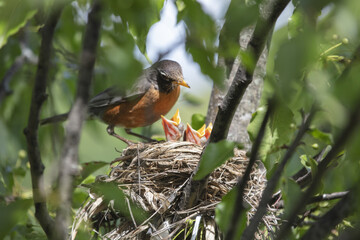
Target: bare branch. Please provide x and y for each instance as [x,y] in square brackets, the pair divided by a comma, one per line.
[26,56]
[320,198]
[244,74]
[353,122]
[69,159]
[5,83]
[271,185]
[240,187]
[31,131]
[329,196]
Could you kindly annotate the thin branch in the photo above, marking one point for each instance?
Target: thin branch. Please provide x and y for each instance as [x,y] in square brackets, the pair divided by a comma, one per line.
[5,83]
[240,187]
[31,131]
[69,159]
[319,198]
[271,185]
[353,122]
[328,197]
[26,56]
[303,176]
[244,74]
[321,228]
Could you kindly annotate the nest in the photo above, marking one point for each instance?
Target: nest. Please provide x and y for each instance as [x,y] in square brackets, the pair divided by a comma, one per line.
[153,177]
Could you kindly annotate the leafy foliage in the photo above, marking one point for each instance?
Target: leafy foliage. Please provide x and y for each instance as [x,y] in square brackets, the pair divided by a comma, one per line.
[305,69]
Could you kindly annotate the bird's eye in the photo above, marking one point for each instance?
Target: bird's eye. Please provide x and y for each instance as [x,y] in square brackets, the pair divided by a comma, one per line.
[164,75]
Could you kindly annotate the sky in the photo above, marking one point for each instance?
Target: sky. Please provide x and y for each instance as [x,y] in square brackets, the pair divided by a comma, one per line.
[166,34]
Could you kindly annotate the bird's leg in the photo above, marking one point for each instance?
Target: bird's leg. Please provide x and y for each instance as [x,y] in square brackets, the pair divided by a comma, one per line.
[128,131]
[110,131]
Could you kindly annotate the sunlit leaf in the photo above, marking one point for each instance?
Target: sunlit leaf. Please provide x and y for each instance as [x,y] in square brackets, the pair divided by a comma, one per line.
[197,120]
[14,15]
[325,137]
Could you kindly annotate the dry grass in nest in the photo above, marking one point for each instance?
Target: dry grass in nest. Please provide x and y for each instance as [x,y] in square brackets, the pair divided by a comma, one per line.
[153,176]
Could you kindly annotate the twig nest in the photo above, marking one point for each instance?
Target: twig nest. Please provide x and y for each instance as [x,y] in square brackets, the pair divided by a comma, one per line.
[153,176]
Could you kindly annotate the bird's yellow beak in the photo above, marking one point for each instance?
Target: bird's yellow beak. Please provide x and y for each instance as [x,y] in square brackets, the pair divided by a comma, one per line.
[182,83]
[198,137]
[172,128]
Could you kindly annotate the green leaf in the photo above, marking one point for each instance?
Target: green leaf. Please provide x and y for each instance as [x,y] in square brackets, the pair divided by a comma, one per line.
[214,156]
[197,120]
[14,15]
[294,57]
[238,16]
[192,99]
[290,193]
[253,129]
[322,136]
[139,16]
[308,161]
[119,64]
[200,40]
[280,124]
[224,211]
[88,168]
[13,214]
[110,191]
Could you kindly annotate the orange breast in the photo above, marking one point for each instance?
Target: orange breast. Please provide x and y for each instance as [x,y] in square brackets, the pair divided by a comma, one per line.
[143,112]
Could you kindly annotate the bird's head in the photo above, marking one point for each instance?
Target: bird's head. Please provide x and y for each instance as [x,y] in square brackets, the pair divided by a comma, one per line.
[170,74]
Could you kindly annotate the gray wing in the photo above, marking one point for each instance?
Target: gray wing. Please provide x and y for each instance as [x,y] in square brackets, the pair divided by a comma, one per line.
[114,95]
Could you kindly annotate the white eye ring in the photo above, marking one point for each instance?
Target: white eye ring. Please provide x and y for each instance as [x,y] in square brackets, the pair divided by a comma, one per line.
[163,73]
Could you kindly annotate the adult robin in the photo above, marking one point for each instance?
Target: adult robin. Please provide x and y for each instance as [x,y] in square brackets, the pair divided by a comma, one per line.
[154,93]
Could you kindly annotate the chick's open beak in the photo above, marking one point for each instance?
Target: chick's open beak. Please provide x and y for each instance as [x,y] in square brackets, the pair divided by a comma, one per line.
[172,128]
[208,131]
[198,137]
[191,135]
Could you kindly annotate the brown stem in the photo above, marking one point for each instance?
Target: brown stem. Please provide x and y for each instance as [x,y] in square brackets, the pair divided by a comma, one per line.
[69,159]
[31,131]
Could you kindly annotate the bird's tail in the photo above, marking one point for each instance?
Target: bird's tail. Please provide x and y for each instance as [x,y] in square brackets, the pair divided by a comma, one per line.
[54,119]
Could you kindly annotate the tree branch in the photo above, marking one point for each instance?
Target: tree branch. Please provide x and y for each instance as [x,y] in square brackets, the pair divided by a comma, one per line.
[233,97]
[321,228]
[69,160]
[240,187]
[26,55]
[271,185]
[31,131]
[319,198]
[244,74]
[353,122]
